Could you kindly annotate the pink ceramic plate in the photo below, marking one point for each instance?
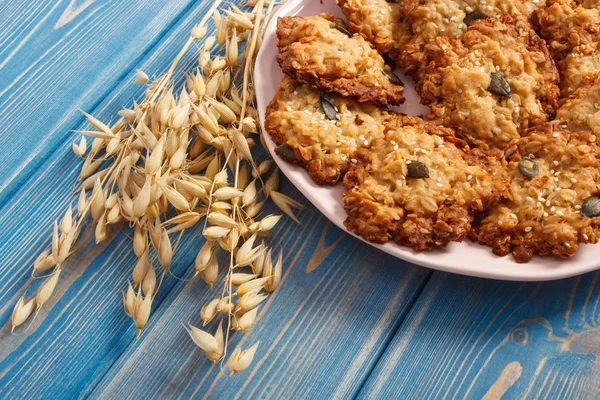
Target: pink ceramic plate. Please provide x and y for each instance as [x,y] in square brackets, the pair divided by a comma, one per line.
[462,258]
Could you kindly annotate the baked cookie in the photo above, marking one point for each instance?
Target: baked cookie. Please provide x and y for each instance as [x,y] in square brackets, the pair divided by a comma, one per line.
[582,61]
[380,22]
[318,132]
[431,19]
[560,17]
[419,186]
[491,85]
[581,110]
[320,50]
[550,207]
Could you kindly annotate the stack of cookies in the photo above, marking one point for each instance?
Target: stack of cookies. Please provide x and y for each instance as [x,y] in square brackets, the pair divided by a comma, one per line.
[508,156]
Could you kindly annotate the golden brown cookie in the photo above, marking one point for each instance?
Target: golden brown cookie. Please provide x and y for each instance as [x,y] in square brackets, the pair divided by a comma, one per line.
[315,50]
[552,175]
[581,110]
[582,61]
[380,22]
[560,18]
[491,85]
[431,19]
[419,186]
[302,121]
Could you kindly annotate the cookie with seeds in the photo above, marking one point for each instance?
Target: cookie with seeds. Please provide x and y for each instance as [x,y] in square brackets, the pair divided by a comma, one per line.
[552,203]
[491,85]
[419,185]
[581,110]
[380,22]
[321,51]
[321,132]
[582,60]
[431,19]
[560,18]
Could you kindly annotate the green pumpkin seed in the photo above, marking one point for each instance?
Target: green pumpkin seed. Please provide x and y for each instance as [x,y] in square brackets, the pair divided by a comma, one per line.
[499,86]
[472,16]
[591,207]
[393,77]
[341,26]
[528,168]
[329,110]
[286,152]
[418,170]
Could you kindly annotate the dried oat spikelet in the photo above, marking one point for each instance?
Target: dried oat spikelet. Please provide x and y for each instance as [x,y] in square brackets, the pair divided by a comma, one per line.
[140,77]
[46,290]
[141,312]
[207,342]
[240,360]
[21,312]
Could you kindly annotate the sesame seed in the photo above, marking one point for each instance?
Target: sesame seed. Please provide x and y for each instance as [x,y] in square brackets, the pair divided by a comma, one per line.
[560,213]
[408,162]
[547,203]
[557,189]
[440,185]
[577,207]
[545,214]
[459,91]
[573,180]
[555,162]
[444,47]
[395,147]
[337,151]
[469,177]
[538,204]
[585,236]
[528,229]
[555,134]
[552,209]
[354,161]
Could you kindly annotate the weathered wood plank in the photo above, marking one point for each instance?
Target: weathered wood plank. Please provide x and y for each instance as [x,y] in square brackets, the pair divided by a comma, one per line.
[57,57]
[475,338]
[325,327]
[84,330]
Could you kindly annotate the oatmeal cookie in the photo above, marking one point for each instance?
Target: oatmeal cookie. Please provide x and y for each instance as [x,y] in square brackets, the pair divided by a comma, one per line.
[581,110]
[380,22]
[491,85]
[419,185]
[431,19]
[560,17]
[582,61]
[550,207]
[303,123]
[314,50]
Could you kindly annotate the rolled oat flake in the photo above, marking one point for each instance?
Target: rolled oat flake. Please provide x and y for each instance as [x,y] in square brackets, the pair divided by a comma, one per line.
[418,170]
[591,207]
[499,86]
[528,168]
[329,110]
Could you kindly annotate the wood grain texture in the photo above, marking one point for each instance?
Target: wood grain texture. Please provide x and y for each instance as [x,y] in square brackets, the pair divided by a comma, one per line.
[322,333]
[341,307]
[72,343]
[474,338]
[84,330]
[57,57]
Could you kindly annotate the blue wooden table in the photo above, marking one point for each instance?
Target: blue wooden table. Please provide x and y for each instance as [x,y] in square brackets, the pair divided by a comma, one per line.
[348,321]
